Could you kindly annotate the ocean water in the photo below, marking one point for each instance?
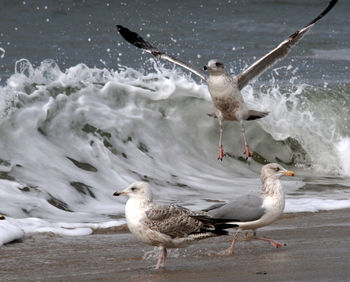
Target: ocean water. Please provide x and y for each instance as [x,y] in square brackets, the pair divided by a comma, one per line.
[83,113]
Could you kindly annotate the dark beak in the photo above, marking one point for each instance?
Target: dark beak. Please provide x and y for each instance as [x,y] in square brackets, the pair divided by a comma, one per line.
[116,194]
[205,68]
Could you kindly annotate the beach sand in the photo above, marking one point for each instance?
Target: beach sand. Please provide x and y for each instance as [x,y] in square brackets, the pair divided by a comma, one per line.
[318,248]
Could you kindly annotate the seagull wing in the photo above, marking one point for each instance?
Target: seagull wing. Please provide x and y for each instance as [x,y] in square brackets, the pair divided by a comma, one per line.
[136,40]
[175,221]
[278,53]
[244,208]
[213,207]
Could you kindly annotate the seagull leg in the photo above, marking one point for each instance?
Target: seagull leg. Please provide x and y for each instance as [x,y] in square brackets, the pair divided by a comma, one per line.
[247,151]
[162,257]
[246,236]
[230,250]
[165,253]
[221,149]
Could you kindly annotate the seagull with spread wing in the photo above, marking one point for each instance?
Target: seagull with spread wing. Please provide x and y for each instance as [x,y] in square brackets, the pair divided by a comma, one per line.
[166,226]
[225,88]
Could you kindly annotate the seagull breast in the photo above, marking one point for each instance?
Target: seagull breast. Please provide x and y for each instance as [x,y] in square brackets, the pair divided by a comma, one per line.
[135,213]
[226,97]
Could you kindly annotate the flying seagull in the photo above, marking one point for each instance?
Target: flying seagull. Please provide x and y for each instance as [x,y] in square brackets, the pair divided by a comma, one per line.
[165,226]
[225,88]
[255,210]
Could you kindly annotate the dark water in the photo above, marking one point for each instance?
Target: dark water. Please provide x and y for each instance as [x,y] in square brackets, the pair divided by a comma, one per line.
[72,32]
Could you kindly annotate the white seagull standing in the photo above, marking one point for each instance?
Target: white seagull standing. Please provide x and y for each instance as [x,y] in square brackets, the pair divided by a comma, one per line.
[255,211]
[165,226]
[223,87]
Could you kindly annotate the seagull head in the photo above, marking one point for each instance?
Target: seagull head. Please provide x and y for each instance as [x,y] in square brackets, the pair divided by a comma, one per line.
[215,67]
[274,171]
[138,190]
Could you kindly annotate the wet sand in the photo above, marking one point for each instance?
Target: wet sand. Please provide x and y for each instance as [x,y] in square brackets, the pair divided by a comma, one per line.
[318,248]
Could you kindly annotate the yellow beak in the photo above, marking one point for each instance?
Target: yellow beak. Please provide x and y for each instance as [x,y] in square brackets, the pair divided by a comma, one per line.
[289,173]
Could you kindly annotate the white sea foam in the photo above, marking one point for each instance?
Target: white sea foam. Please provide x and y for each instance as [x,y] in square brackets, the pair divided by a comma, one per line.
[315,205]
[2,50]
[13,228]
[309,115]
[343,153]
[9,232]
[37,225]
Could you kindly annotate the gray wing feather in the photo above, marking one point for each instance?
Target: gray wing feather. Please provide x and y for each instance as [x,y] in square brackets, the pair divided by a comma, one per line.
[136,40]
[278,53]
[244,208]
[215,206]
[175,221]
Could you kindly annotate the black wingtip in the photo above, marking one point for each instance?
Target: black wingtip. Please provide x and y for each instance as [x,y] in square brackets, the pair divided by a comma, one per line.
[119,27]
[330,6]
[126,33]
[133,38]
[298,33]
[221,232]
[215,219]
[325,11]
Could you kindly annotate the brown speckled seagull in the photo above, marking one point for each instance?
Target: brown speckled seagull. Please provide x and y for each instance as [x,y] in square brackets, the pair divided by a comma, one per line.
[225,88]
[165,226]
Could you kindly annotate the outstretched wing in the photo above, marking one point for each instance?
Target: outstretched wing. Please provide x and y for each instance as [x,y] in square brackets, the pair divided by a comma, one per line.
[280,52]
[175,221]
[138,41]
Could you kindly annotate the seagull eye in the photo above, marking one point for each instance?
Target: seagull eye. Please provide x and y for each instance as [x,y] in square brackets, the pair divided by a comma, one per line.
[277,169]
[133,189]
[218,64]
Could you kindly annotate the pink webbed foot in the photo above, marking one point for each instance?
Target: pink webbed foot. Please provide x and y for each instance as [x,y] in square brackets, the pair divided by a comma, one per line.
[277,244]
[221,153]
[274,243]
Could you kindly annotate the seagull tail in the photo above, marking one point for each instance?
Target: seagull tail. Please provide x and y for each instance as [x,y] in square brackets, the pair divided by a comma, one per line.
[220,232]
[252,115]
[219,223]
